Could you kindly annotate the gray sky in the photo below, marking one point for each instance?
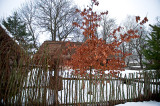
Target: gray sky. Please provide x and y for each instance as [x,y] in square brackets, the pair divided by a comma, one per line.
[118,9]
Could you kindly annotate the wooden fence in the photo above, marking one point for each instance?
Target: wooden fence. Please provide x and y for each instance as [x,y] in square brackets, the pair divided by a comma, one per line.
[36,88]
[109,90]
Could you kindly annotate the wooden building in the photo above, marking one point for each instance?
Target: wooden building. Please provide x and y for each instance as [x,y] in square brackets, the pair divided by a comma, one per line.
[53,54]
[12,58]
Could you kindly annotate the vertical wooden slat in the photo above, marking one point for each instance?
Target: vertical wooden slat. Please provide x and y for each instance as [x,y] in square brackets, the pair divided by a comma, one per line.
[128,86]
[100,90]
[141,85]
[76,88]
[113,91]
[72,90]
[110,87]
[117,85]
[84,89]
[138,77]
[93,99]
[135,90]
[151,85]
[67,89]
[95,88]
[103,89]
[96,95]
[132,90]
[106,91]
[79,89]
[156,82]
[122,87]
[145,78]
[87,88]
[102,99]
[64,96]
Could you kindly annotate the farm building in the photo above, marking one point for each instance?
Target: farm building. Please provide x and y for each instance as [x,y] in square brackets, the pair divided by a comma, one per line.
[12,60]
[11,51]
[52,53]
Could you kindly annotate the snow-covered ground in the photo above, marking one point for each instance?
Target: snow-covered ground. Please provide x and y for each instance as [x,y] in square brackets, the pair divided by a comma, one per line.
[144,103]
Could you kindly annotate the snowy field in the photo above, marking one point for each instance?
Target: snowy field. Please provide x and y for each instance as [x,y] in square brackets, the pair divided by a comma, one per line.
[144,103]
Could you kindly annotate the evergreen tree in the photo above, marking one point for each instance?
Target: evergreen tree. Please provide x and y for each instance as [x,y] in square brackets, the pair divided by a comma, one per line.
[18,30]
[152,50]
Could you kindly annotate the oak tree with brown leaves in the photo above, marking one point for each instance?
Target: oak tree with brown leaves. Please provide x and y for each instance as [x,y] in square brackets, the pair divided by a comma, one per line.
[95,53]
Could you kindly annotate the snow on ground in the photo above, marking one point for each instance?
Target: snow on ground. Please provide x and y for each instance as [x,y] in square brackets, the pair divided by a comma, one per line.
[144,103]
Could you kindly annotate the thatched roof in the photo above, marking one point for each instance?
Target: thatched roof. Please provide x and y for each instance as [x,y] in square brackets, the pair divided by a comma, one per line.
[50,51]
[9,50]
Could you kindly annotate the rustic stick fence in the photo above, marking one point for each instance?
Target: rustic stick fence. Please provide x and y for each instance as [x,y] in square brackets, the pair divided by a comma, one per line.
[36,88]
[132,87]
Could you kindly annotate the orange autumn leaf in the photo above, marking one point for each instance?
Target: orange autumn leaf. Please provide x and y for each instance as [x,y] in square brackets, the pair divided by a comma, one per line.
[137,18]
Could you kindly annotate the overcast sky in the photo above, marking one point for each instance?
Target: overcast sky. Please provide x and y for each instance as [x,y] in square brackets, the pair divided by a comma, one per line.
[118,9]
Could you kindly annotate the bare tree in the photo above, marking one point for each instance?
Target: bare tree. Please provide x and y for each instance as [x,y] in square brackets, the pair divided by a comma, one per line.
[135,45]
[108,25]
[129,23]
[56,17]
[158,20]
[27,13]
[138,45]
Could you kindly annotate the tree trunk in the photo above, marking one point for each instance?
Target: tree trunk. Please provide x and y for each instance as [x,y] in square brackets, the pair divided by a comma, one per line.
[140,61]
[56,74]
[90,82]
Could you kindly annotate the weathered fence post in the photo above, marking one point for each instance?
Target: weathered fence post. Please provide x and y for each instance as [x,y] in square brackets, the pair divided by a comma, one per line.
[146,88]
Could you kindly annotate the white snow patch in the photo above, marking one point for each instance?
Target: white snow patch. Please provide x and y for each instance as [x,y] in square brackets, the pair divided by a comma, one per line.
[144,103]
